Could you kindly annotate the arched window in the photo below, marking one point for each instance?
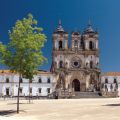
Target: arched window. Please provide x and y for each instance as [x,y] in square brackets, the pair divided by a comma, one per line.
[90,45]
[61,64]
[60,45]
[91,64]
[75,44]
[7,80]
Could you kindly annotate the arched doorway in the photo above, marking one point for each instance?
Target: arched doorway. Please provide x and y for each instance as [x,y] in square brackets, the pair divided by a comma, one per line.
[76,85]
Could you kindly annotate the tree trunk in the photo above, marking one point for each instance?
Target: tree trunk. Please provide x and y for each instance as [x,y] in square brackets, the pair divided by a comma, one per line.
[29,91]
[18,94]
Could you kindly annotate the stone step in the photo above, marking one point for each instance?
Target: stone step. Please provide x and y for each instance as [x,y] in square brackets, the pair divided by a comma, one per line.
[86,95]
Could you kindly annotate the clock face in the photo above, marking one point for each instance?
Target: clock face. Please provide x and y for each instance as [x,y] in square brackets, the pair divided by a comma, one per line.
[76,64]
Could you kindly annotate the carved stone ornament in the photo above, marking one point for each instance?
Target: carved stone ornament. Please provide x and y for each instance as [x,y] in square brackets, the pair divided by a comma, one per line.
[76,62]
[76,75]
[111,86]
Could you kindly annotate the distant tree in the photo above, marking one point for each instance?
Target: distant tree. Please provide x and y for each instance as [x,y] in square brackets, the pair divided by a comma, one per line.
[28,74]
[23,53]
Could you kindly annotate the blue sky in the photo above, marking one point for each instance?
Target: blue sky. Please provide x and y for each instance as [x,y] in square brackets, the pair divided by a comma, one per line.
[103,14]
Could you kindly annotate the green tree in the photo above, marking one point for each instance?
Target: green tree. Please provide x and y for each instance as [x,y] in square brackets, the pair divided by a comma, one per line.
[23,53]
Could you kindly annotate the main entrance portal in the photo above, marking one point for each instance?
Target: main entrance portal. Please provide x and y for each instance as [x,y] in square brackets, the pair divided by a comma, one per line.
[76,85]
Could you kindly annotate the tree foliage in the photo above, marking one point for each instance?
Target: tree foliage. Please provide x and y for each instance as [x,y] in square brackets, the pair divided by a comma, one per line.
[23,52]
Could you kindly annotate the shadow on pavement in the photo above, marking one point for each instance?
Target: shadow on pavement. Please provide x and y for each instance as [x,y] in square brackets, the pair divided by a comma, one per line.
[8,113]
[112,105]
[15,103]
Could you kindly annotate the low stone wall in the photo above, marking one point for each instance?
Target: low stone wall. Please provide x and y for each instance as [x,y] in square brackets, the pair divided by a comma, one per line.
[109,94]
[23,98]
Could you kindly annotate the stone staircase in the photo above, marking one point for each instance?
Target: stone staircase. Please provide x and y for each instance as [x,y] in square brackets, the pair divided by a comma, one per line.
[79,95]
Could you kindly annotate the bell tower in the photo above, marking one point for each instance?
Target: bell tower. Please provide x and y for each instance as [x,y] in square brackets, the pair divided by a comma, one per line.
[75,40]
[60,38]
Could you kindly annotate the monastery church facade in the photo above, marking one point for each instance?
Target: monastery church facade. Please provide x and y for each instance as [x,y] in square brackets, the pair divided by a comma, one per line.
[74,68]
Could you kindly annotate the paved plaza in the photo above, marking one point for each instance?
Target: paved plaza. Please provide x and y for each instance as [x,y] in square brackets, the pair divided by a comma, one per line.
[62,109]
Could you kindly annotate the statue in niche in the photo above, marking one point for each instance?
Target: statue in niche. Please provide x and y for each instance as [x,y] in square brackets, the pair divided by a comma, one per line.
[87,64]
[61,80]
[66,64]
[97,64]
[92,79]
[55,64]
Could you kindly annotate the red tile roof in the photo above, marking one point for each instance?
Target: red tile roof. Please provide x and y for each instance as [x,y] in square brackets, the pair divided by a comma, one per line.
[112,73]
[40,72]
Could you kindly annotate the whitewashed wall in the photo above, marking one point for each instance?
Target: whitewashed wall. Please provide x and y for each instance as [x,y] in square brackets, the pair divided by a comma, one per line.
[111,81]
[35,85]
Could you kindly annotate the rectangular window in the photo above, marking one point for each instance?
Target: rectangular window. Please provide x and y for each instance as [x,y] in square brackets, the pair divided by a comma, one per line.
[20,90]
[115,81]
[106,80]
[21,80]
[40,80]
[7,80]
[48,90]
[30,81]
[30,90]
[39,90]
[7,91]
[48,80]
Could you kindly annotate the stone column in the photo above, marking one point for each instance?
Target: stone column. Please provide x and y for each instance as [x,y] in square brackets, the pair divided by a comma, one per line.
[96,44]
[78,44]
[66,44]
[72,44]
[85,45]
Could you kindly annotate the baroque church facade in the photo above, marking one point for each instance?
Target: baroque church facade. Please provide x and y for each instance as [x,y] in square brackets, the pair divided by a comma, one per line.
[76,66]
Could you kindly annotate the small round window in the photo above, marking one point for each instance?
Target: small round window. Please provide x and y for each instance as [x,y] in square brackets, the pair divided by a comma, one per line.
[76,64]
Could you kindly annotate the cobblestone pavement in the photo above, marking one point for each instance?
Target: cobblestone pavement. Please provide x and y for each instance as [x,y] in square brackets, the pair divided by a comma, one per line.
[62,109]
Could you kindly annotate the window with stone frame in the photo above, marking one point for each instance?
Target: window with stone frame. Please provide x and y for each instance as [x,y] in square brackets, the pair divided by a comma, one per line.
[48,90]
[7,91]
[40,90]
[48,81]
[21,81]
[40,81]
[30,90]
[61,64]
[115,80]
[106,80]
[91,64]
[7,80]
